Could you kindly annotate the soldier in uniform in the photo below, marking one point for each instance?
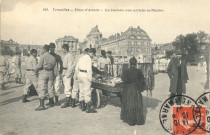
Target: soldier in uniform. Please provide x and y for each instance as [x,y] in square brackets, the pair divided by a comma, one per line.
[4,67]
[83,72]
[76,83]
[46,67]
[58,73]
[17,65]
[31,74]
[103,60]
[68,72]
[109,54]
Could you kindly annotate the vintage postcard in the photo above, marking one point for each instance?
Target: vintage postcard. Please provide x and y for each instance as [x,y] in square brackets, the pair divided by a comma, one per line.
[110,67]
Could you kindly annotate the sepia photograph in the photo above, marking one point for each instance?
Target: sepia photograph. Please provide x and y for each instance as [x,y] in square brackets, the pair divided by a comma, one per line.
[104,67]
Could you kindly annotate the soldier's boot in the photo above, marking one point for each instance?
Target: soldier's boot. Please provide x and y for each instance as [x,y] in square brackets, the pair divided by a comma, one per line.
[41,106]
[25,99]
[19,81]
[3,86]
[51,102]
[16,80]
[66,104]
[83,106]
[89,109]
[73,103]
[57,103]
[80,105]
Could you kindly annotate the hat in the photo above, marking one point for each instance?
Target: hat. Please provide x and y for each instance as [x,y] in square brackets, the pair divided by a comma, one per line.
[86,50]
[103,52]
[109,52]
[52,45]
[65,46]
[92,50]
[18,51]
[46,48]
[33,51]
[133,61]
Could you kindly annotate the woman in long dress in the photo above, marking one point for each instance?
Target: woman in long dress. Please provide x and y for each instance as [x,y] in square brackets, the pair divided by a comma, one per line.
[132,104]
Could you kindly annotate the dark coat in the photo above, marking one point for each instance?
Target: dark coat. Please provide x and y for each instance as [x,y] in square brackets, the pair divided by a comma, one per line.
[134,76]
[173,75]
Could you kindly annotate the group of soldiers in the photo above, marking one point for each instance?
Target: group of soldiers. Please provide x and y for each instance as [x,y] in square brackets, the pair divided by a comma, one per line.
[161,65]
[4,68]
[51,72]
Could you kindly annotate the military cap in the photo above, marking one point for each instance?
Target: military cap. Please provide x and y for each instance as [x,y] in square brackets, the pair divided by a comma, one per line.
[92,50]
[33,51]
[109,52]
[18,52]
[52,45]
[46,48]
[86,50]
[65,46]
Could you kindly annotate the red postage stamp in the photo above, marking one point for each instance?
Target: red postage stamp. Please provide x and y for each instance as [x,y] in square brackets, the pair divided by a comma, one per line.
[184,117]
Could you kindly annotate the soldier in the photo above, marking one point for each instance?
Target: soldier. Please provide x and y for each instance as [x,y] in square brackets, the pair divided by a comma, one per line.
[103,60]
[17,65]
[58,73]
[83,72]
[46,67]
[109,55]
[4,67]
[31,74]
[68,72]
[76,83]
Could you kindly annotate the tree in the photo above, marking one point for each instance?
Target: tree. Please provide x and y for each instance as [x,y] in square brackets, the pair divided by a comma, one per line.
[190,44]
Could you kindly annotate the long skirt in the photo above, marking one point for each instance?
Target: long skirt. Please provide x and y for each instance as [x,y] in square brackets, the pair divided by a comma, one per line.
[132,105]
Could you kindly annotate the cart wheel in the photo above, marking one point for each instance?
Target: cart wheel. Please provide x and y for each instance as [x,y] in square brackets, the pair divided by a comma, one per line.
[96,98]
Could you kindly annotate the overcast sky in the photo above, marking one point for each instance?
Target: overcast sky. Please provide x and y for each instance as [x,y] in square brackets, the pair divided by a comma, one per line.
[25,21]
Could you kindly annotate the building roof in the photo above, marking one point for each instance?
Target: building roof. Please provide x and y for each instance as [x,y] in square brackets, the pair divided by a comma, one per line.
[67,38]
[9,42]
[95,31]
[132,33]
[136,32]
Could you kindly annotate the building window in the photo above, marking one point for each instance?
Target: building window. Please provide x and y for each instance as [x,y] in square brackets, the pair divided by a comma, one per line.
[132,42]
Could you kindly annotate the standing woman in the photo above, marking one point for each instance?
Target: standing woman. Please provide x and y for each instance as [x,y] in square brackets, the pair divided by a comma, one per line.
[132,104]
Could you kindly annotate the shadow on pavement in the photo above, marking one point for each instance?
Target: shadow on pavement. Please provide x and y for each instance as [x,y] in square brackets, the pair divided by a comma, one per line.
[147,103]
[6,93]
[20,85]
[16,99]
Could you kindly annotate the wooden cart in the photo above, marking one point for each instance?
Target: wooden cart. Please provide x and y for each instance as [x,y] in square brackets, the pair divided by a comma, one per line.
[100,89]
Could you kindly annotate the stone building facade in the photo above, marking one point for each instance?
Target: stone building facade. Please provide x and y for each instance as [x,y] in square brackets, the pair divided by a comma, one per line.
[9,46]
[70,40]
[92,39]
[132,42]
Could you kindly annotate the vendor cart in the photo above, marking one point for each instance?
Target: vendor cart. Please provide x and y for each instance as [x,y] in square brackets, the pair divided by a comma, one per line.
[102,89]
